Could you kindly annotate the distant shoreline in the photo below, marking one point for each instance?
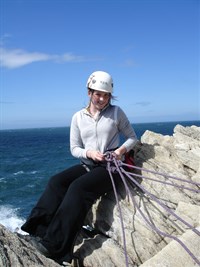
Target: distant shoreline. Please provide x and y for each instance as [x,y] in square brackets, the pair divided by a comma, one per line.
[133,123]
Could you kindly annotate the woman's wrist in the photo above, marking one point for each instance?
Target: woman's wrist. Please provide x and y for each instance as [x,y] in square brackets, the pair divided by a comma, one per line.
[88,154]
[120,151]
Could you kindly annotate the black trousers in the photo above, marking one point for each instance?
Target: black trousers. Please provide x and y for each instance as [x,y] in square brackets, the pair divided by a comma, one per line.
[60,212]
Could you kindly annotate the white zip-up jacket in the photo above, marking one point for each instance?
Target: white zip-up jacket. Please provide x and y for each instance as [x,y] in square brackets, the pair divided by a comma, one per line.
[101,133]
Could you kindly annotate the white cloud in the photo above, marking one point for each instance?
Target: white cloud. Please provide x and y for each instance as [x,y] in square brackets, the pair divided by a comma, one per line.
[18,58]
[69,57]
[15,58]
[143,103]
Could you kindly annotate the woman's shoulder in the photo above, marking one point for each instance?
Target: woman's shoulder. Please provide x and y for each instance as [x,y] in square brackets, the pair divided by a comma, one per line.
[79,112]
[115,108]
[78,116]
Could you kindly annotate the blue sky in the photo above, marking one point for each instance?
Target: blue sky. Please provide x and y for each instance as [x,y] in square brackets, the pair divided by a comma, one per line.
[50,47]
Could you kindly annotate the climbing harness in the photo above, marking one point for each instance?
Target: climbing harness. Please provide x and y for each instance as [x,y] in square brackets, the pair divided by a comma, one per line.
[114,165]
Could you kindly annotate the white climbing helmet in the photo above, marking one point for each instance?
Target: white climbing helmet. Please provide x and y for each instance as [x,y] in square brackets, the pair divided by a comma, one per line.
[100,81]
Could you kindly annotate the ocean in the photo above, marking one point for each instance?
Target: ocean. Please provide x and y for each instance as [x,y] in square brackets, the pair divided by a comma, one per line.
[30,156]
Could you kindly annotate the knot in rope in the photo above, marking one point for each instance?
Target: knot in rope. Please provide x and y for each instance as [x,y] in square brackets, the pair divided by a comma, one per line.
[112,163]
[109,156]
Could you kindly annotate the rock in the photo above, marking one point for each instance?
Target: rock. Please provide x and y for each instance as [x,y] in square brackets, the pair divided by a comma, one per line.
[16,252]
[187,145]
[174,255]
[177,156]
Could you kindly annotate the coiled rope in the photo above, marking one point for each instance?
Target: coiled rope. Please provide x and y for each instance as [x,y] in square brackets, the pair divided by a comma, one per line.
[114,165]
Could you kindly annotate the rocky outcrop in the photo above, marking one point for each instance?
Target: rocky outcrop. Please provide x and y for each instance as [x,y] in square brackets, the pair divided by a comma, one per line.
[176,156]
[16,252]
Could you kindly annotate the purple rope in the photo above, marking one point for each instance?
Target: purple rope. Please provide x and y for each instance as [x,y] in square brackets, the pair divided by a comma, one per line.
[159,173]
[161,204]
[163,182]
[166,208]
[120,212]
[110,158]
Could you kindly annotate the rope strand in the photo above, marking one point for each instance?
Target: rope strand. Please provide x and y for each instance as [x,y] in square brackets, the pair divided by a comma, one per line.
[160,173]
[167,183]
[120,214]
[117,165]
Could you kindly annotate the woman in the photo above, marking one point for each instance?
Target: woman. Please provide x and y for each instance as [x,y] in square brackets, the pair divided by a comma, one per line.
[62,208]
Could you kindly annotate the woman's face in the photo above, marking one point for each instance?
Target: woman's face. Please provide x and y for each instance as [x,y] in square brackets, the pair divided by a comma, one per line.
[99,99]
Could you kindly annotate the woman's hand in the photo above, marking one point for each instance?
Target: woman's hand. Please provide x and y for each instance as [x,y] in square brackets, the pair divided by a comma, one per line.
[95,155]
[119,152]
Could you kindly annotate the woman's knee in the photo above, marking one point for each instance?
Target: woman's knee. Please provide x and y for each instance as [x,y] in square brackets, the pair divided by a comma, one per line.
[76,188]
[66,177]
[54,181]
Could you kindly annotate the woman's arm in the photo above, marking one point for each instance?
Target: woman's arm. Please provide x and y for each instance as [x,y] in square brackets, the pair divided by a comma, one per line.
[76,144]
[127,131]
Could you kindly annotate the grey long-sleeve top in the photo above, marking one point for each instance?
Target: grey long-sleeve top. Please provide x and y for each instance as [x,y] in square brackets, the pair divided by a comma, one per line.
[101,134]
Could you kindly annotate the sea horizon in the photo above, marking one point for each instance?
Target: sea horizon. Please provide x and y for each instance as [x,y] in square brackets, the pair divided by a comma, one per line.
[132,123]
